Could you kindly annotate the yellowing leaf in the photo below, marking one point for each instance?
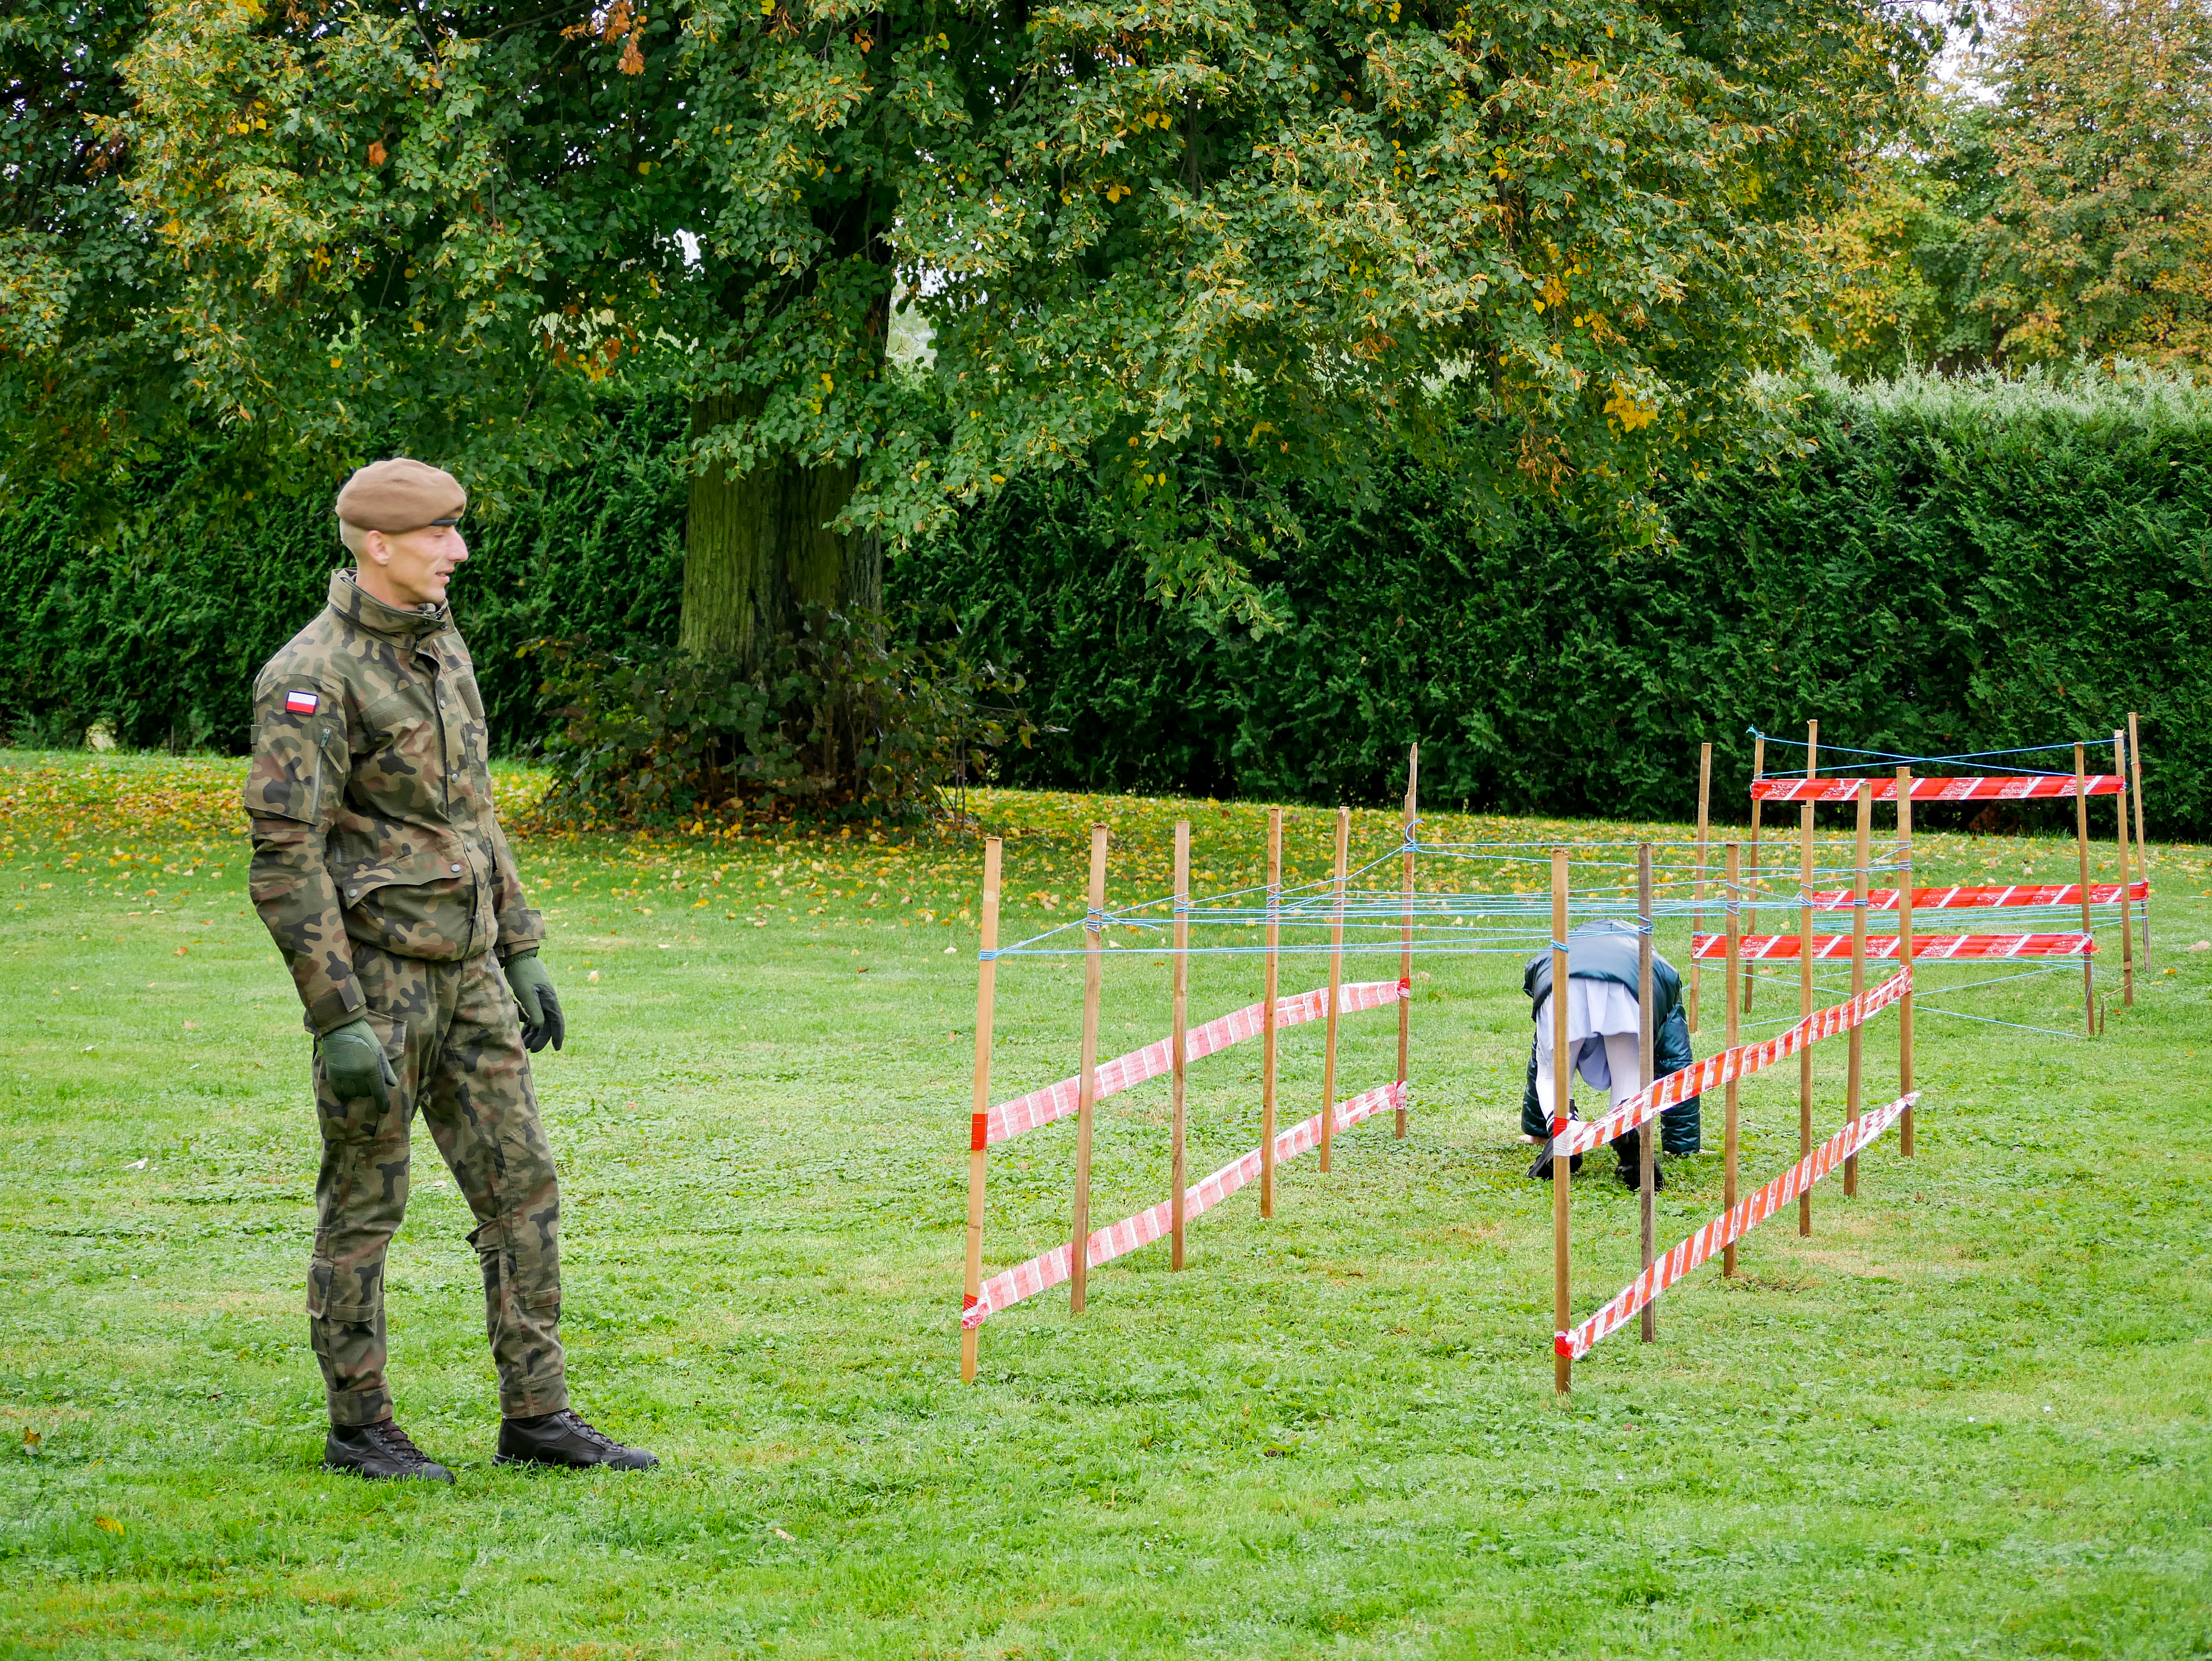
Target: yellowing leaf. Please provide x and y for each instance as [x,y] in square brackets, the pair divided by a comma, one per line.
[1624,408]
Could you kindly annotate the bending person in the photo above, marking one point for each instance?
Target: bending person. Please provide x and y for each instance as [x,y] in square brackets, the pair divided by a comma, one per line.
[1602,1040]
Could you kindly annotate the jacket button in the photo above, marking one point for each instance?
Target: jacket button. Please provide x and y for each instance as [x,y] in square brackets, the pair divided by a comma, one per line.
[457,870]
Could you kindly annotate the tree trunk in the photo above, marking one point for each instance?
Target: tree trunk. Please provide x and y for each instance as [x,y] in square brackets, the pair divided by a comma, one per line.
[756,555]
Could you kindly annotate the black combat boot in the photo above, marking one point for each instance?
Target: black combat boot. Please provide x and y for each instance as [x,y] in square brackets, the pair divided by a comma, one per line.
[563,1439]
[381,1452]
[1541,1170]
[1628,1149]
[1632,1177]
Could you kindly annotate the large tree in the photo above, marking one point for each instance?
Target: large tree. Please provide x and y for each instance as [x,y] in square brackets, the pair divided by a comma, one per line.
[2099,242]
[1204,248]
[87,371]
[1902,258]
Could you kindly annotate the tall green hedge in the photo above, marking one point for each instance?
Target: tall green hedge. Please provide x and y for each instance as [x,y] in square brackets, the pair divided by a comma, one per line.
[149,606]
[1953,567]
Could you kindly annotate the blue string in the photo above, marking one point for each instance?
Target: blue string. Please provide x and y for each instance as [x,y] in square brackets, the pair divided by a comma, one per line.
[1974,755]
[1991,1020]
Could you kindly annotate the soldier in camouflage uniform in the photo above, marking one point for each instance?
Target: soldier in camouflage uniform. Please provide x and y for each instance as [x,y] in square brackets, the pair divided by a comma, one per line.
[381,871]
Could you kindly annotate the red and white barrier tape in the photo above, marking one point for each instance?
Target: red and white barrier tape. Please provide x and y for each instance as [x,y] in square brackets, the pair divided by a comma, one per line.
[1118,1240]
[1124,1071]
[1729,1226]
[2013,788]
[1972,899]
[1767,948]
[1738,1063]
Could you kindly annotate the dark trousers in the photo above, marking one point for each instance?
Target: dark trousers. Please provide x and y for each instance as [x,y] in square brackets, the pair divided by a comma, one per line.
[452,1034]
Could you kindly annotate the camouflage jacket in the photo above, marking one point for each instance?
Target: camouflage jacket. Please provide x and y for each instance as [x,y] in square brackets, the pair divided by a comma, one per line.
[369,802]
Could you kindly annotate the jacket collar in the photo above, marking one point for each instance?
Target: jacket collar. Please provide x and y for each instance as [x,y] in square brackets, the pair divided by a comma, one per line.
[364,610]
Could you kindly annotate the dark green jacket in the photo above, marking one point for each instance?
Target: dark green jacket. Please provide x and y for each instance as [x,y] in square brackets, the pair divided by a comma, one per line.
[368,798]
[1606,951]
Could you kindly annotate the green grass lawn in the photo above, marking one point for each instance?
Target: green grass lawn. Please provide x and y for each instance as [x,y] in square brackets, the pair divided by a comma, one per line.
[1968,1417]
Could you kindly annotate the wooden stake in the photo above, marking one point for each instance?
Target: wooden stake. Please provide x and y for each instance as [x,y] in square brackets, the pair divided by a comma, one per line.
[1805,970]
[1406,938]
[1751,926]
[1180,1040]
[1562,1067]
[1267,1017]
[986,978]
[1698,918]
[1335,986]
[1857,1051]
[2142,847]
[2081,849]
[2127,927]
[1734,968]
[1086,1090]
[1647,1137]
[1905,954]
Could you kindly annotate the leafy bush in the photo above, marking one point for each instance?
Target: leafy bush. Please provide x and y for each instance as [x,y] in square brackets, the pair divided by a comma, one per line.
[149,602]
[840,722]
[1949,566]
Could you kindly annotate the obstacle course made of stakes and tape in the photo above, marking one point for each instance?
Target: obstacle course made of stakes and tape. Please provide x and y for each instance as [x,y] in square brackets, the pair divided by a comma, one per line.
[1349,915]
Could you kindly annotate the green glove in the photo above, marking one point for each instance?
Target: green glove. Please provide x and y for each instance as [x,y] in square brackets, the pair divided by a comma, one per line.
[541,1006]
[354,1064]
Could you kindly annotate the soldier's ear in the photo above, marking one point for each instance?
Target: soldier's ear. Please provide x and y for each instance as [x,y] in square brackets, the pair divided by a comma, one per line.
[375,549]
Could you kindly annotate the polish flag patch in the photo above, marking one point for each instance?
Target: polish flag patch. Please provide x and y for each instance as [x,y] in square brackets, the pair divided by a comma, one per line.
[301,703]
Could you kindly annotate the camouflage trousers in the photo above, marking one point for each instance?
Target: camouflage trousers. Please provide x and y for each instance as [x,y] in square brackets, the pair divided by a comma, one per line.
[451,1032]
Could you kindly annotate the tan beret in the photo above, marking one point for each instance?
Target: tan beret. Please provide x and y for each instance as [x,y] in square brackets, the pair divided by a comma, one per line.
[400,494]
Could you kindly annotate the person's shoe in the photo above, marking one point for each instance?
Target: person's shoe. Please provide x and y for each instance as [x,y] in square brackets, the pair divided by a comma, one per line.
[1541,1170]
[1633,1179]
[379,1452]
[563,1439]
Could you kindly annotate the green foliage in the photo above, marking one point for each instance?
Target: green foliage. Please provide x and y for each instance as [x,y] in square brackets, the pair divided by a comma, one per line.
[1902,258]
[87,374]
[2100,243]
[1553,242]
[149,606]
[2054,210]
[840,721]
[1954,564]
[1951,567]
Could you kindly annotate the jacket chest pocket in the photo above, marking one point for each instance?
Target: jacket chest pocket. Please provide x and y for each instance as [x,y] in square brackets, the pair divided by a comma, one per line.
[392,722]
[414,904]
[400,752]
